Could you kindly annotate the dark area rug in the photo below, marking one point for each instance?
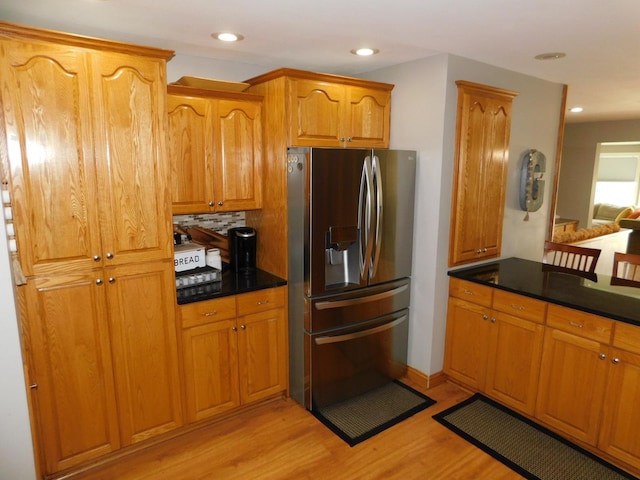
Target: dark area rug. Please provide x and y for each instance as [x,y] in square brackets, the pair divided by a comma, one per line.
[362,417]
[531,450]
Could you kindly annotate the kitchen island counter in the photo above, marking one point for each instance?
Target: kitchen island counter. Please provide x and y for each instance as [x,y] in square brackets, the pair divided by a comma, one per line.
[595,295]
[231,284]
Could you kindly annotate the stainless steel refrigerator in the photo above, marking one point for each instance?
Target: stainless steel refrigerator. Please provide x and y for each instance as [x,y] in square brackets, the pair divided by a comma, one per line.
[350,231]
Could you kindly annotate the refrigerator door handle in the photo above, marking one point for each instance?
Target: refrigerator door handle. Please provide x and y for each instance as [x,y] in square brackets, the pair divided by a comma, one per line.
[364,218]
[359,300]
[364,333]
[377,182]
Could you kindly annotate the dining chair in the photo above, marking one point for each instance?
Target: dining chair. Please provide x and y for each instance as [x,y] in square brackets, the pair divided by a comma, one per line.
[571,257]
[626,269]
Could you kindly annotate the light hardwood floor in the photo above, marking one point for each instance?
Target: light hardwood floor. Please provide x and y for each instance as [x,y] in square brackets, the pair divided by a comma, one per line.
[281,440]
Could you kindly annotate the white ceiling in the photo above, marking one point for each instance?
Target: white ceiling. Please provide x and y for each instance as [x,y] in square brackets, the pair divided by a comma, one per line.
[602,66]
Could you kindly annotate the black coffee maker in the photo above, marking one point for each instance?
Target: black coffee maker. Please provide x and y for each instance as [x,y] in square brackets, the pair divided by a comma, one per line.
[242,250]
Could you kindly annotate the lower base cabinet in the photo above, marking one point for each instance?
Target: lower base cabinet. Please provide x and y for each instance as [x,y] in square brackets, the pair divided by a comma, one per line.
[578,374]
[103,360]
[234,351]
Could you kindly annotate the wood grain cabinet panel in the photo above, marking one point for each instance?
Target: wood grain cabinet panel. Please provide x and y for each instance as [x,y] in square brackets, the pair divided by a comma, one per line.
[331,114]
[234,360]
[71,368]
[84,127]
[572,381]
[215,149]
[145,351]
[482,153]
[489,350]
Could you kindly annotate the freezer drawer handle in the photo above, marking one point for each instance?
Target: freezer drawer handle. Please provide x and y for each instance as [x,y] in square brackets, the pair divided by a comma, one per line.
[364,333]
[356,301]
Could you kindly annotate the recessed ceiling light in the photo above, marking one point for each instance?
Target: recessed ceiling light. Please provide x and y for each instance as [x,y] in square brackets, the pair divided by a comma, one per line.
[550,56]
[576,109]
[227,36]
[364,52]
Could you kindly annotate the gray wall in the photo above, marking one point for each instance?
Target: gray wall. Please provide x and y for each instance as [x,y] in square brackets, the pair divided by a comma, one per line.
[424,118]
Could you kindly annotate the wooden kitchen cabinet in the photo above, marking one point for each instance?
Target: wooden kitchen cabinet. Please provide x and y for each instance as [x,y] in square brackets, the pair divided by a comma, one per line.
[479,184]
[234,351]
[71,374]
[83,122]
[331,114]
[215,150]
[573,372]
[141,299]
[621,417]
[91,190]
[490,350]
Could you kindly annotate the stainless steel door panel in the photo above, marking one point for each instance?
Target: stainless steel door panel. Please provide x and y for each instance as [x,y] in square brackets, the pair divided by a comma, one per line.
[352,361]
[337,311]
[394,175]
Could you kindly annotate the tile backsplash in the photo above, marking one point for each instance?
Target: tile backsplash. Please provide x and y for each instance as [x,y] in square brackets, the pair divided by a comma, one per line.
[218,222]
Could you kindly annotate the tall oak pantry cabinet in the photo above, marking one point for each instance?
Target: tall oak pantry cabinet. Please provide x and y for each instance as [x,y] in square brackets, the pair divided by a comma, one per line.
[83,153]
[483,127]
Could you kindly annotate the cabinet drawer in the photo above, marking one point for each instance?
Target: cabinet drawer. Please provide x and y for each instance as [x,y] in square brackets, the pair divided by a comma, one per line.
[471,292]
[580,323]
[519,306]
[260,300]
[200,313]
[626,337]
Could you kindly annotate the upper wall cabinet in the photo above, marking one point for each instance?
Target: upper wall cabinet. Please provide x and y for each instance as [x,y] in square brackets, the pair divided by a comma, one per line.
[330,110]
[215,150]
[479,182]
[333,114]
[85,138]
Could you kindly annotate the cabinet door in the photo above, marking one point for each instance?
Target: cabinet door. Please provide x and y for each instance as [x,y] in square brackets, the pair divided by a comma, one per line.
[75,403]
[368,113]
[238,159]
[467,342]
[262,354]
[141,299]
[190,150]
[317,113]
[482,154]
[51,161]
[211,369]
[513,366]
[129,116]
[572,380]
[621,418]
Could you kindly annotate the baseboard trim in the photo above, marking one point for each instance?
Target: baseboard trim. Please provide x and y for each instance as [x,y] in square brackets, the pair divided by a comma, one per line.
[423,380]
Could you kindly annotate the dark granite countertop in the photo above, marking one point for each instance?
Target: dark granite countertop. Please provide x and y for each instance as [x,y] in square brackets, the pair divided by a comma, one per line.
[231,284]
[593,295]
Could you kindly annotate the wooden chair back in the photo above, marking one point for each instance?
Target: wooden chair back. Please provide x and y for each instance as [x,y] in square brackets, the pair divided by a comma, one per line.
[626,269]
[571,257]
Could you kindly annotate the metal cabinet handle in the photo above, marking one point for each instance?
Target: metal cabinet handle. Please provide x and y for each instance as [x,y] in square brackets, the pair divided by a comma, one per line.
[211,203]
[602,356]
[210,314]
[33,386]
[243,327]
[97,258]
[112,280]
[493,319]
[575,324]
[109,255]
[99,281]
[235,329]
[485,317]
[517,307]
[220,203]
[615,360]
[468,292]
[262,302]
